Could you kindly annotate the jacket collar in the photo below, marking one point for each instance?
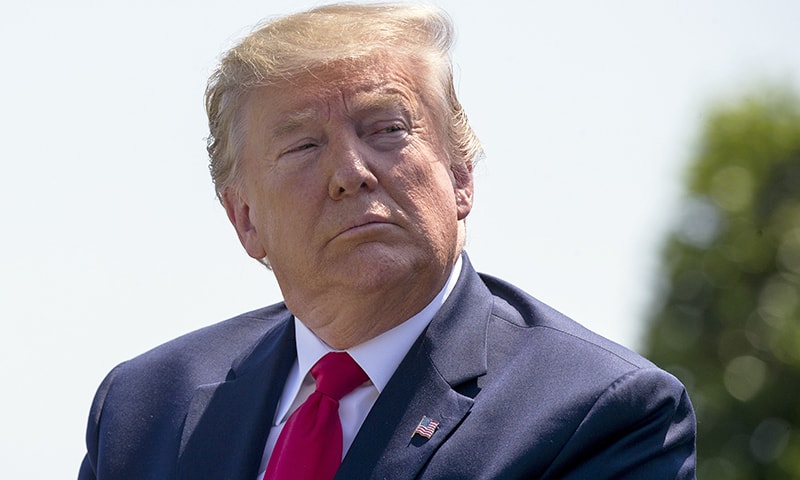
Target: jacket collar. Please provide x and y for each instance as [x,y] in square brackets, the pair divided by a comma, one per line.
[437,379]
[227,423]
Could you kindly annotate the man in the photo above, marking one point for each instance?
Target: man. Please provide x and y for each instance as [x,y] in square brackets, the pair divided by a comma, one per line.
[344,161]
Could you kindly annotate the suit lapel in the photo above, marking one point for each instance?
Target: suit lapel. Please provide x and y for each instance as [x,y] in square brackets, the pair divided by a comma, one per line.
[227,423]
[437,379]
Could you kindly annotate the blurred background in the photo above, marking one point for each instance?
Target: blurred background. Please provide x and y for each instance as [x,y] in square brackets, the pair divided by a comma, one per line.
[642,176]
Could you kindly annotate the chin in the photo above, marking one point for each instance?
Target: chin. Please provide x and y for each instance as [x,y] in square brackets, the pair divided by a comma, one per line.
[376,266]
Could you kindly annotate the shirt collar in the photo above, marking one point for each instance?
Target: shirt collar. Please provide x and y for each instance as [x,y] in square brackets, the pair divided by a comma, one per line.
[379,357]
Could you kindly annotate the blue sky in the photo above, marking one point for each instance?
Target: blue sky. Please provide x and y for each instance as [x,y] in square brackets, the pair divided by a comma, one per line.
[113,241]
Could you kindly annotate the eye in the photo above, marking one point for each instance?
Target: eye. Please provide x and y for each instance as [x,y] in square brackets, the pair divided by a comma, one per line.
[298,148]
[302,147]
[390,134]
[393,128]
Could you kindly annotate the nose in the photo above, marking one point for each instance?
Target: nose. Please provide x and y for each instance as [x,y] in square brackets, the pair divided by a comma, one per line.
[350,168]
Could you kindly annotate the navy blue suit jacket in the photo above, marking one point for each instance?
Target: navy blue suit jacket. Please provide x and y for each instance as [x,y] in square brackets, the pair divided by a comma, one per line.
[518,389]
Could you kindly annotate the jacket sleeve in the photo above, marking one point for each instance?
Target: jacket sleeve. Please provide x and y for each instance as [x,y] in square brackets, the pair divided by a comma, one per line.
[89,466]
[642,426]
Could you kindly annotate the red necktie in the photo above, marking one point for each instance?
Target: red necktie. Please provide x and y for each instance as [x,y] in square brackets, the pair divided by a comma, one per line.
[310,444]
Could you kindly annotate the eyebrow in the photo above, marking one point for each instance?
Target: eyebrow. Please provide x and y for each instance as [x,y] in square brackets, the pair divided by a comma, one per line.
[379,101]
[362,102]
[294,121]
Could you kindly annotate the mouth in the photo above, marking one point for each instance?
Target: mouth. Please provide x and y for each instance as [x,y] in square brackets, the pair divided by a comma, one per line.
[364,225]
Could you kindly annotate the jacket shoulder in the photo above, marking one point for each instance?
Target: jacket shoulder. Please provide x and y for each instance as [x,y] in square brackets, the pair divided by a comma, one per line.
[204,355]
[519,309]
[577,405]
[138,411]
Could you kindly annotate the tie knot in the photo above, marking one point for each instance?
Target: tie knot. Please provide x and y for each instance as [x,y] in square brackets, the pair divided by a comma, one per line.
[337,374]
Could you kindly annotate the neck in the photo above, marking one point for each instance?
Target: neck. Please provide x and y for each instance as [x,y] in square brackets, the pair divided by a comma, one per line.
[345,319]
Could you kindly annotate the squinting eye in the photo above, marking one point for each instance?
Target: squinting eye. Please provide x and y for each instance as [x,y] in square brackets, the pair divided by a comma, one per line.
[305,146]
[392,129]
[299,150]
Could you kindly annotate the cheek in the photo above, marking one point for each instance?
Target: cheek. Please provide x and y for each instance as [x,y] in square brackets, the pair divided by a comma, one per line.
[429,190]
[282,195]
[265,211]
[290,211]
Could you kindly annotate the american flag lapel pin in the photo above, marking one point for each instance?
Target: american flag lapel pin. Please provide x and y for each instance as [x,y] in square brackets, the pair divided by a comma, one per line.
[426,427]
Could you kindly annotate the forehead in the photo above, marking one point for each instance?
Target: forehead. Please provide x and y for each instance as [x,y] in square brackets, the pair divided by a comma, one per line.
[354,85]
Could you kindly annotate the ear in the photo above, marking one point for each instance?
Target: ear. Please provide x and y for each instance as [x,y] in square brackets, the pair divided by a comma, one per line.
[238,211]
[463,188]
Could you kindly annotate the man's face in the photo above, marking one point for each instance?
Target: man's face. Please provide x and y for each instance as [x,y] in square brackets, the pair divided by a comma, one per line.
[346,184]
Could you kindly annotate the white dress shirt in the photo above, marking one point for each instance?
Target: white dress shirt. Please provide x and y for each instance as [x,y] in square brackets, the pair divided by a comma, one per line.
[378,357]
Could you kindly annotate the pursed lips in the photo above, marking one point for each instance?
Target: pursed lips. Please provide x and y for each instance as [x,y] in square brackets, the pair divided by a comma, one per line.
[363,222]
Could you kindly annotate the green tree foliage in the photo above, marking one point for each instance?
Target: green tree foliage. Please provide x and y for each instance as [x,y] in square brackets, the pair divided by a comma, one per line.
[729,322]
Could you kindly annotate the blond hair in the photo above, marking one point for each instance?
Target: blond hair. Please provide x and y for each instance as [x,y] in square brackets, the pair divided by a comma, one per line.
[284,48]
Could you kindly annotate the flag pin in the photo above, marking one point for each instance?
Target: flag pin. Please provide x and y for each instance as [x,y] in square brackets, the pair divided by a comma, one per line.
[426,427]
